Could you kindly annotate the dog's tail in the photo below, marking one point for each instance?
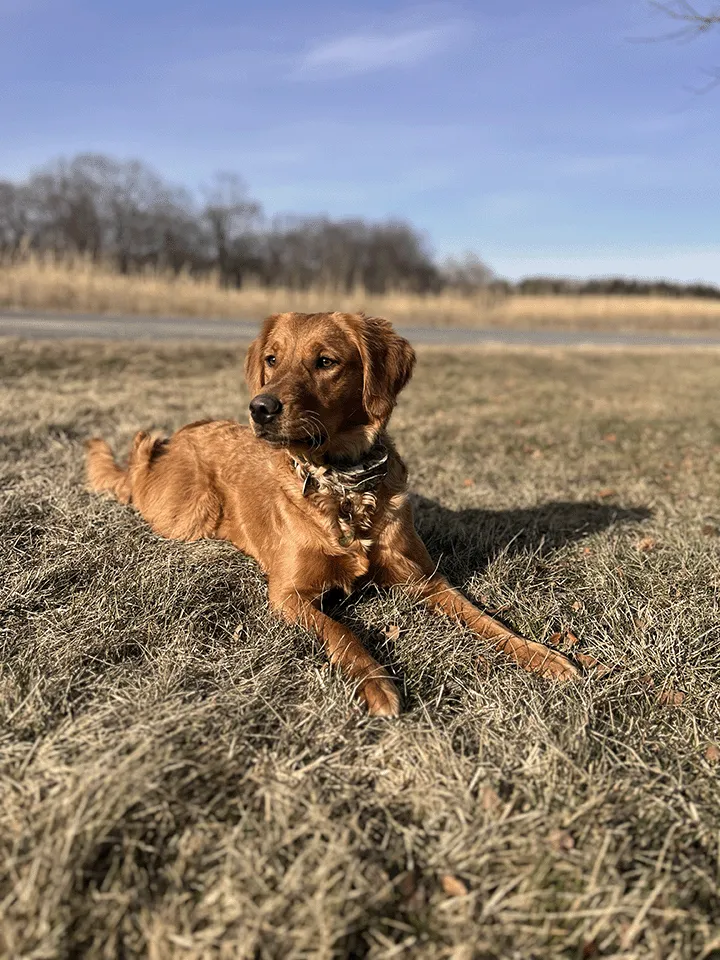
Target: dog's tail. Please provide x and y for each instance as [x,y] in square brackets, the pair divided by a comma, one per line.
[103,473]
[105,476]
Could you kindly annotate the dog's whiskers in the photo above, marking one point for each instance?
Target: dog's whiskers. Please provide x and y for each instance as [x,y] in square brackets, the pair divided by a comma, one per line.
[313,429]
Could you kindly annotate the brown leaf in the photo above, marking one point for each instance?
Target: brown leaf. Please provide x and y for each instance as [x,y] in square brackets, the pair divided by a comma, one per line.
[647,680]
[587,550]
[712,753]
[610,438]
[453,886]
[468,482]
[606,492]
[672,698]
[412,889]
[590,949]
[483,666]
[407,884]
[646,544]
[392,632]
[566,638]
[640,624]
[578,605]
[709,530]
[561,840]
[490,800]
[592,663]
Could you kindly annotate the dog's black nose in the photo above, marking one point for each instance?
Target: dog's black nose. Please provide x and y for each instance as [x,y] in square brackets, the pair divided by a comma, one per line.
[265,408]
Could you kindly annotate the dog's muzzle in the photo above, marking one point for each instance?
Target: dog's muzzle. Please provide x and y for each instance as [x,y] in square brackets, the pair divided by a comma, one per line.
[265,408]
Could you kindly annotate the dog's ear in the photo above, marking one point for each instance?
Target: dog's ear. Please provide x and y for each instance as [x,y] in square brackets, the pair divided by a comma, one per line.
[388,362]
[255,357]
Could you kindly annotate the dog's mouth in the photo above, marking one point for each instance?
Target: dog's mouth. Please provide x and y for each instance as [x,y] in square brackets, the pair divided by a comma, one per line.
[310,441]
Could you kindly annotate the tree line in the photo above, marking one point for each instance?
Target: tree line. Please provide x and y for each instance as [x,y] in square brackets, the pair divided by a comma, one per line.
[614,286]
[126,214]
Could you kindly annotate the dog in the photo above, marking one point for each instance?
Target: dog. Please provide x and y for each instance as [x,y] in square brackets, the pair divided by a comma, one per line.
[313,489]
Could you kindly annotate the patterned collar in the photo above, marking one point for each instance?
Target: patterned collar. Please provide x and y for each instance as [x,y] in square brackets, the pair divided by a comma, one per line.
[343,477]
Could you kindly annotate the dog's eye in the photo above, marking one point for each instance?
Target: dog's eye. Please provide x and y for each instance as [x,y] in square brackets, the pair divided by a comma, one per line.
[324,362]
[270,361]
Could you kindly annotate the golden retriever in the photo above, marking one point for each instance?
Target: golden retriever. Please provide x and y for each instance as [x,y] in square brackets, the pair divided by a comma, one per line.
[313,490]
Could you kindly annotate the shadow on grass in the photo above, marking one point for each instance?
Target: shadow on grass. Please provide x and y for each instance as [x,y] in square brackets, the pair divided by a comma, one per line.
[464,542]
[468,540]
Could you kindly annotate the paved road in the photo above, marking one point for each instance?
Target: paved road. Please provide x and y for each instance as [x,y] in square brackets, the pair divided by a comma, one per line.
[87,326]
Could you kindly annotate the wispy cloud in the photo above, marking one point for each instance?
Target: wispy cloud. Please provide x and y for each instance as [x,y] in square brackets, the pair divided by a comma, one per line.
[363,53]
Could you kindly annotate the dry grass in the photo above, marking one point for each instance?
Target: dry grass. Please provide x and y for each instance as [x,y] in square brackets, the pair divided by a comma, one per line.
[182,777]
[84,287]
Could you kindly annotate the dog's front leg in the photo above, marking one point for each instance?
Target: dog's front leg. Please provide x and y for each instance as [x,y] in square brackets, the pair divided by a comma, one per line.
[535,657]
[344,650]
[402,560]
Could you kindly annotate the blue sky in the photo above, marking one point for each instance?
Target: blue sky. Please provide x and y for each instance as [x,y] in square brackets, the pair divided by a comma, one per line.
[535,133]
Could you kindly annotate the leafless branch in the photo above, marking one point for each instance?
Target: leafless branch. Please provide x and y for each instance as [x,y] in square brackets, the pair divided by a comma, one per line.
[694,21]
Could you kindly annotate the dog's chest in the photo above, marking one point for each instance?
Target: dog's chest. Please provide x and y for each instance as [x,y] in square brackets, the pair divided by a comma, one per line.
[345,570]
[349,534]
[347,507]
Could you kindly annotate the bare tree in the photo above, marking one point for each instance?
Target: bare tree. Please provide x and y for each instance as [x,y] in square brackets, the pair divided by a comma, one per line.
[230,216]
[64,207]
[467,274]
[14,220]
[146,216]
[105,208]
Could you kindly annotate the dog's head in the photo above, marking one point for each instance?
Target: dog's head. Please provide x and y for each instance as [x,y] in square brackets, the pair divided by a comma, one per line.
[325,382]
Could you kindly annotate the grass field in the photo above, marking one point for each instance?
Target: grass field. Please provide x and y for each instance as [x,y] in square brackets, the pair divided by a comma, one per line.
[181,776]
[84,287]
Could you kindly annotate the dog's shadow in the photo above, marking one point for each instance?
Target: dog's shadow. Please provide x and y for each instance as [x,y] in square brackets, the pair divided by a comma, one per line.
[466,541]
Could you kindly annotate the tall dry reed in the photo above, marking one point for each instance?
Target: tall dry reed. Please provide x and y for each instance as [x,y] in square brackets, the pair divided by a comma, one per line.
[79,285]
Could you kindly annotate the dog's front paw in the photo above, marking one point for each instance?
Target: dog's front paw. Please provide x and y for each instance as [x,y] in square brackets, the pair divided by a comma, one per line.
[381,696]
